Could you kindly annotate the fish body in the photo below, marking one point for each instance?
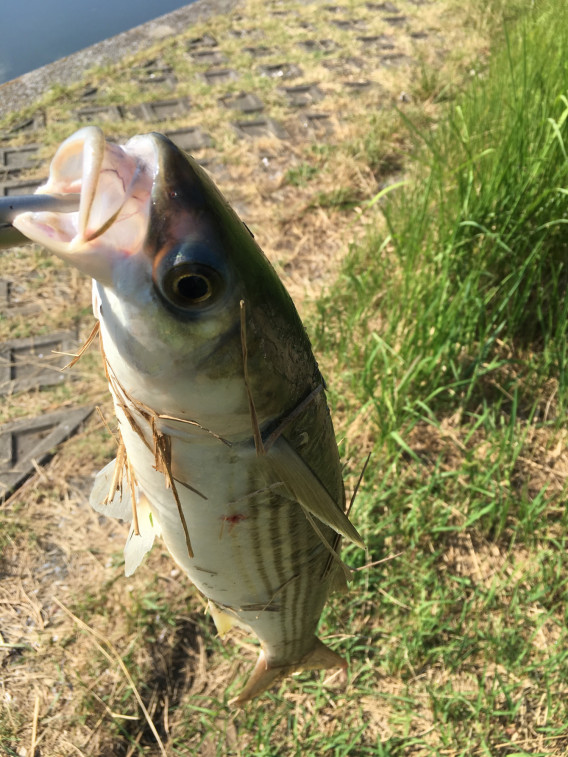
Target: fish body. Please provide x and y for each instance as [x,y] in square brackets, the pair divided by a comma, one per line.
[227,446]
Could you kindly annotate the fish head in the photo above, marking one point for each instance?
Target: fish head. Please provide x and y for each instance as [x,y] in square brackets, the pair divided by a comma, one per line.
[173,264]
[143,205]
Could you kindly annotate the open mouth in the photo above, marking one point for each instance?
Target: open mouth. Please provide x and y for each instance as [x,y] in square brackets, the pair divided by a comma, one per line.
[114,186]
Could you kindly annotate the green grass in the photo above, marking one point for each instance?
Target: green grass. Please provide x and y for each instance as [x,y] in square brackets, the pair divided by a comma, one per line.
[476,255]
[448,332]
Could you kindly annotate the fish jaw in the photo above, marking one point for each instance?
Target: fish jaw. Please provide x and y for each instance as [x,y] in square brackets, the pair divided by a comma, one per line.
[115,186]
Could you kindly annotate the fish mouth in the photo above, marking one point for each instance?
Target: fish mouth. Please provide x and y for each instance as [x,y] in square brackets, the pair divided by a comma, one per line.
[114,185]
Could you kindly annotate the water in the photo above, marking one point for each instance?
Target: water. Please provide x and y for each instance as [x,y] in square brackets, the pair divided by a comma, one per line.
[36,32]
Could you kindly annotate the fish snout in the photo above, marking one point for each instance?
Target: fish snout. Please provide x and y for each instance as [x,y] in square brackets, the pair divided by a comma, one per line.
[113,187]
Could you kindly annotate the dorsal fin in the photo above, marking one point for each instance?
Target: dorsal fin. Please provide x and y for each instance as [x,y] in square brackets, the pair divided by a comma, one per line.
[308,490]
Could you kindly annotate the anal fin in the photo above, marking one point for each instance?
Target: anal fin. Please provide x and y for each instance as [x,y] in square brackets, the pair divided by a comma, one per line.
[223,621]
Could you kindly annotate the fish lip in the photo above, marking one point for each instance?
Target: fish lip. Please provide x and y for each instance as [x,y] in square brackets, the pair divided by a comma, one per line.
[114,184]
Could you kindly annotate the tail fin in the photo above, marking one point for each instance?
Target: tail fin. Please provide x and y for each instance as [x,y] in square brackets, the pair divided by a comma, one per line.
[264,675]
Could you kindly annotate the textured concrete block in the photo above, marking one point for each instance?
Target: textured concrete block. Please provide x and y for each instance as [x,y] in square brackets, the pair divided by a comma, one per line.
[153,74]
[30,441]
[259,52]
[10,304]
[220,75]
[100,113]
[19,158]
[205,41]
[260,127]
[29,363]
[209,57]
[394,60]
[280,70]
[318,45]
[384,7]
[377,41]
[161,110]
[246,102]
[192,138]
[395,20]
[303,94]
[317,124]
[358,85]
[349,24]
[29,186]
[89,93]
[26,126]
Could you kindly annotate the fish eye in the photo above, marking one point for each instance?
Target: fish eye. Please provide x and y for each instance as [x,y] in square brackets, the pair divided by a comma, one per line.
[185,279]
[190,285]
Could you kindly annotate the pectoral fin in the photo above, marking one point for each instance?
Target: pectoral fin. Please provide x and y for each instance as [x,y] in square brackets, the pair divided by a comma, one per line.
[120,506]
[308,490]
[138,545]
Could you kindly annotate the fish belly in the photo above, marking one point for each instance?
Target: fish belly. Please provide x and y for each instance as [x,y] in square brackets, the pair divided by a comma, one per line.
[255,555]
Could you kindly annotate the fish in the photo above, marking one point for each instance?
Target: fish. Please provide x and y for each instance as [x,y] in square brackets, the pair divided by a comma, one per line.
[227,449]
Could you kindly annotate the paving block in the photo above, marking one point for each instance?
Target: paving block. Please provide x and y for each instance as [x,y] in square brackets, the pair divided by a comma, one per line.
[100,113]
[189,139]
[260,127]
[377,41]
[209,57]
[205,41]
[395,20]
[30,441]
[9,304]
[29,363]
[27,126]
[19,158]
[303,94]
[245,33]
[259,52]
[358,85]
[394,60]
[318,124]
[154,73]
[345,66]
[89,93]
[153,64]
[219,75]
[29,186]
[318,45]
[280,70]
[384,7]
[161,110]
[349,24]
[246,102]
